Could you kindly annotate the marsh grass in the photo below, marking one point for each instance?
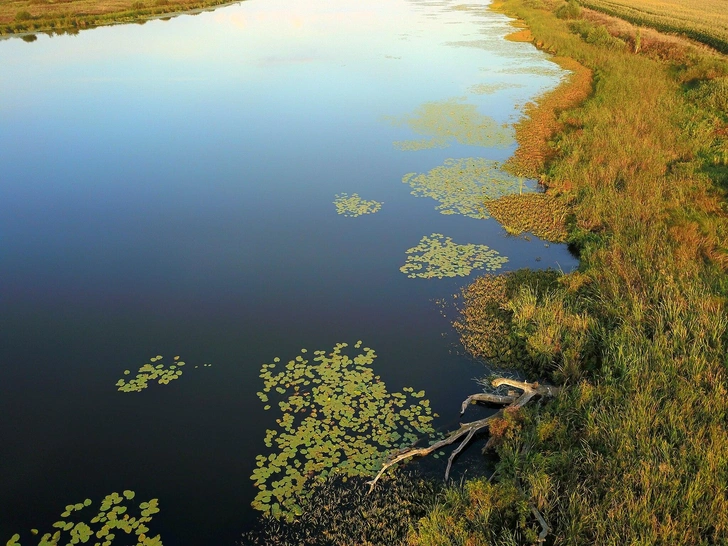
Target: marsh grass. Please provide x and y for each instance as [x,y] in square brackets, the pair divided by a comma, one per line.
[345,513]
[478,513]
[635,450]
[543,215]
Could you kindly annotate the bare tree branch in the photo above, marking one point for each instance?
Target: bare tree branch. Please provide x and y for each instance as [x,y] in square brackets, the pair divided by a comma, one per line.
[529,390]
[458,450]
[487,397]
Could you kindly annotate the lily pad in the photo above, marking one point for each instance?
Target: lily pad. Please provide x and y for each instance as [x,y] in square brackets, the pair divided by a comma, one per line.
[438,256]
[465,186]
[345,424]
[352,205]
[110,521]
[151,372]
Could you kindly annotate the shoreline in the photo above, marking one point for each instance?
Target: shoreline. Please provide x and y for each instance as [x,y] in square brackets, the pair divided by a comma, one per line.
[82,22]
[633,449]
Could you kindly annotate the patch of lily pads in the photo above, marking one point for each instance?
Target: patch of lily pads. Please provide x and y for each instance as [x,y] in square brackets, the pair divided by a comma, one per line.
[453,120]
[464,186]
[438,256]
[352,205]
[336,418]
[115,520]
[153,371]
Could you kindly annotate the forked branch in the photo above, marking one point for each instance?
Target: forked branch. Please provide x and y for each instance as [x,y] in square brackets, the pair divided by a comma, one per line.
[468,430]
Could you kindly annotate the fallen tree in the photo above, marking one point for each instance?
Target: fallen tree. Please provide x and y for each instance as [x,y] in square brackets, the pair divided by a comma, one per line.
[467,430]
[512,400]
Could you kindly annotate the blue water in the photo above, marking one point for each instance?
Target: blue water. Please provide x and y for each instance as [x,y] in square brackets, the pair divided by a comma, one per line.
[167,189]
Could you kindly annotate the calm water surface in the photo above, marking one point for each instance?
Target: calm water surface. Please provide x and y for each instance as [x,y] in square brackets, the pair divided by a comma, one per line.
[167,189]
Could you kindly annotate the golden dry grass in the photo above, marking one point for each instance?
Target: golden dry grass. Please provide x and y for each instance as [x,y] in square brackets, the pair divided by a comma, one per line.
[523,35]
[541,121]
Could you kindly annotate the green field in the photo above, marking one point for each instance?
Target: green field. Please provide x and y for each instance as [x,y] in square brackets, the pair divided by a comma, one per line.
[703,20]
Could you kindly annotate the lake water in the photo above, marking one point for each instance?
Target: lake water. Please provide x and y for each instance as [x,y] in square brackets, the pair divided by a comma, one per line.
[167,189]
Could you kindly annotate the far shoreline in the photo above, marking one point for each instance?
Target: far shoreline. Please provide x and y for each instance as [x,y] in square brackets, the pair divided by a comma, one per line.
[76,23]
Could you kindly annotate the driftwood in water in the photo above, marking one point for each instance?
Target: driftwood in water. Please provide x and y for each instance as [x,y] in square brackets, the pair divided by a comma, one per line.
[468,430]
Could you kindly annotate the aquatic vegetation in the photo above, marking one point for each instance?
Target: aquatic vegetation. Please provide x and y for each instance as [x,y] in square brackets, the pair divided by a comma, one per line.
[453,120]
[538,213]
[347,513]
[531,71]
[490,88]
[152,371]
[463,186]
[337,419]
[353,206]
[438,256]
[81,523]
[485,320]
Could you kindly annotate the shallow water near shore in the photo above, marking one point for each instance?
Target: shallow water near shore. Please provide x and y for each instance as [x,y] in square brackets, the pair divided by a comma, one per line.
[168,188]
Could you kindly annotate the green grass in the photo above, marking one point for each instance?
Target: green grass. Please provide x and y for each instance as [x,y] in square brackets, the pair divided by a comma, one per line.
[636,449]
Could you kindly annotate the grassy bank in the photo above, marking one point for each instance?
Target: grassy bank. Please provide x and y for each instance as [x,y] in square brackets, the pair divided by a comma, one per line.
[64,16]
[635,450]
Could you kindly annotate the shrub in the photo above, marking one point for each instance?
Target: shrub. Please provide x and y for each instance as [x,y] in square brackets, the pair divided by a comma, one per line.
[23,16]
[570,10]
[596,35]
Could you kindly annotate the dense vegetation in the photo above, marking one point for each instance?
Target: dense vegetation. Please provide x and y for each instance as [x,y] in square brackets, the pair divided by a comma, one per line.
[635,450]
[702,20]
[70,16]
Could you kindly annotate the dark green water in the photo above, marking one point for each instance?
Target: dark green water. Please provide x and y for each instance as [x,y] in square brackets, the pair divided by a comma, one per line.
[167,189]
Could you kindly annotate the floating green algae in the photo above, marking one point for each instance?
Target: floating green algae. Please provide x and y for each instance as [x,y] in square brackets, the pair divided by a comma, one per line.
[438,256]
[463,186]
[448,121]
[153,371]
[490,88]
[113,520]
[352,205]
[531,70]
[337,419]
